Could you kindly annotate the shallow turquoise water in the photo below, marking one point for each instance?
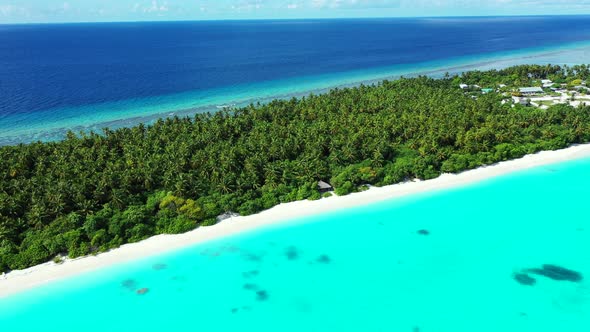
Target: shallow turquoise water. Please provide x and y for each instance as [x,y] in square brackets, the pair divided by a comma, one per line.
[361,269]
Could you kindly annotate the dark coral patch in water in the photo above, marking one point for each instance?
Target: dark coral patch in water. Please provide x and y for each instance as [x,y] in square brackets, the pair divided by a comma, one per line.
[261,295]
[292,253]
[142,291]
[234,310]
[250,286]
[231,249]
[423,232]
[129,284]
[524,279]
[324,259]
[178,278]
[159,266]
[211,252]
[557,273]
[252,257]
[250,274]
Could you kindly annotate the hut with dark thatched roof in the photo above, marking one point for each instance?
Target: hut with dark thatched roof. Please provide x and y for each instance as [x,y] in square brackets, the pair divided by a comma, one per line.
[324,187]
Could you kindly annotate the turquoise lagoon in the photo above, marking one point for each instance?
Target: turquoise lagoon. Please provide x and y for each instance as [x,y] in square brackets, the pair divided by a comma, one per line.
[359,269]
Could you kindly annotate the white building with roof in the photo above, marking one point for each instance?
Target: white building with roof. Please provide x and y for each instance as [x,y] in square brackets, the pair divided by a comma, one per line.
[531,90]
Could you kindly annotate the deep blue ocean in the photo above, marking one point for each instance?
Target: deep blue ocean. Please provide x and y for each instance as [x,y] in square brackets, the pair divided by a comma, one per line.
[84,76]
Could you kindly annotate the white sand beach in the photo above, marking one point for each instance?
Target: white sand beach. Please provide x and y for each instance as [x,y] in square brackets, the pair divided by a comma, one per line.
[18,281]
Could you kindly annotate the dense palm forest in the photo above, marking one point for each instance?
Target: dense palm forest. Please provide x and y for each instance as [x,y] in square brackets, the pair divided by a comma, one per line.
[92,192]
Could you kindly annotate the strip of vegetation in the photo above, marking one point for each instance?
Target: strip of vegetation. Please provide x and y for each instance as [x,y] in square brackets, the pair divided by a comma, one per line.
[92,192]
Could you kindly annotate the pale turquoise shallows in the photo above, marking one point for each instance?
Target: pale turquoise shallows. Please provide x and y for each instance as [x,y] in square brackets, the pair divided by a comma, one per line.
[362,269]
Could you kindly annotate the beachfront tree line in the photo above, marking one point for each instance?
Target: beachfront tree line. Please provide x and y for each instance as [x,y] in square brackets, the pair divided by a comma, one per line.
[92,192]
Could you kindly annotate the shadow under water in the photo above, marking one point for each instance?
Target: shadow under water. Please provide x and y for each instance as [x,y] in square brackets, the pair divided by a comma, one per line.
[550,271]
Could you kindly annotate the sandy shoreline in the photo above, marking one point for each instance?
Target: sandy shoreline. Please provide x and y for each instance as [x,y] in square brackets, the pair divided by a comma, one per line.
[18,281]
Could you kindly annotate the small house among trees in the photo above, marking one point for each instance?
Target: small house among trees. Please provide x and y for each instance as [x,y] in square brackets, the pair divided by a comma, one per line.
[324,187]
[530,91]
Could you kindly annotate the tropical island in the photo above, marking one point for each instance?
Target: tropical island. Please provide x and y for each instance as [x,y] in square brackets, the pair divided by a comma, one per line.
[96,191]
